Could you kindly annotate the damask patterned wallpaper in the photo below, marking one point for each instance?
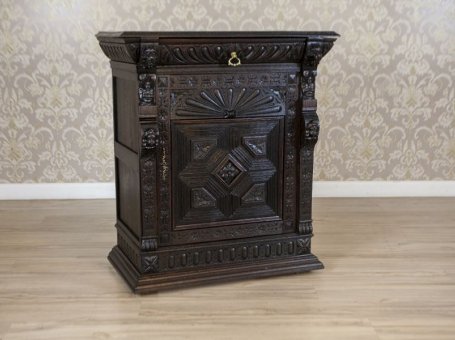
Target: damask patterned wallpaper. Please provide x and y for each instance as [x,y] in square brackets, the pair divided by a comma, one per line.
[386,90]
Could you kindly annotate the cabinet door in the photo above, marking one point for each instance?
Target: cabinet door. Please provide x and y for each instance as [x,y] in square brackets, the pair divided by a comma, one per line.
[226,171]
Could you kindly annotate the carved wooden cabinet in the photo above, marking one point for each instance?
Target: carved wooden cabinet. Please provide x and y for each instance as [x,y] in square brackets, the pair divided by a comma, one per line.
[214,139]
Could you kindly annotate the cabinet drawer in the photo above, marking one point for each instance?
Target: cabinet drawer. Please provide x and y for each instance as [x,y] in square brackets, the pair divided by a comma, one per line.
[245,93]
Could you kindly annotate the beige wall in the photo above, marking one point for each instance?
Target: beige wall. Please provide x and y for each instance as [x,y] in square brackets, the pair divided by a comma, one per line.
[386,90]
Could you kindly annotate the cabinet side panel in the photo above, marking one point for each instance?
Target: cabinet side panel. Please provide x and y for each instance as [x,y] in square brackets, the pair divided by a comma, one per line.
[128,196]
[126,127]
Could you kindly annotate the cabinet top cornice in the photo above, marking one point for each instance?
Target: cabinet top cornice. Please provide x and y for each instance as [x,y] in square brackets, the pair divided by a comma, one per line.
[155,35]
[152,49]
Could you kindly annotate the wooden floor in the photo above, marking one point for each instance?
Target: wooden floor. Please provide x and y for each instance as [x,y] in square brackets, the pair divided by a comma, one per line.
[390,274]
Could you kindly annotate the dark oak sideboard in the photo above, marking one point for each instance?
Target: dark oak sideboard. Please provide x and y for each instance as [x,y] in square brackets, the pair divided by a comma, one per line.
[214,139]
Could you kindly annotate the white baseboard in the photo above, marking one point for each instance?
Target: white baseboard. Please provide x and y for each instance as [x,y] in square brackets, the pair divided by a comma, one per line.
[49,191]
[384,189]
[29,191]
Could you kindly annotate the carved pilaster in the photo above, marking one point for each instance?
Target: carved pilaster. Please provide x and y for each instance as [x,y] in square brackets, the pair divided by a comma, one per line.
[164,159]
[309,128]
[146,91]
[146,68]
[148,163]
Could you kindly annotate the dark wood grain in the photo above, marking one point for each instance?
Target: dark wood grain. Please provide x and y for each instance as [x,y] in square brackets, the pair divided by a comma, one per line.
[214,164]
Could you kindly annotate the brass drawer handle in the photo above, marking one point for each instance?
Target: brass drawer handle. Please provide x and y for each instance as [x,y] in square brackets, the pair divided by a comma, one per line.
[234,60]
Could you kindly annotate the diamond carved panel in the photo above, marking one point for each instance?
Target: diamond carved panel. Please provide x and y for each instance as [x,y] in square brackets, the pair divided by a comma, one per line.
[229,171]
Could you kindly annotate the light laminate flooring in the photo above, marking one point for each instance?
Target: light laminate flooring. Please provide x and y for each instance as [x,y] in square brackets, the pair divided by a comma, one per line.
[390,274]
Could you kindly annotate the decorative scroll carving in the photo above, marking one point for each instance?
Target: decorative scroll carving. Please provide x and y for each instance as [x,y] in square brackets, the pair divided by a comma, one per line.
[150,138]
[306,227]
[201,198]
[148,58]
[149,244]
[150,264]
[146,67]
[308,84]
[312,130]
[147,89]
[220,53]
[229,103]
[315,50]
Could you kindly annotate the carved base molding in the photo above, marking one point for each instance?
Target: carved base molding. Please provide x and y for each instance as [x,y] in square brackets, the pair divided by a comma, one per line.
[149,283]
[172,267]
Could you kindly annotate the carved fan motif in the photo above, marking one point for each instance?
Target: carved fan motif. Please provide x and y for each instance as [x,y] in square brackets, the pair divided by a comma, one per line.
[230,103]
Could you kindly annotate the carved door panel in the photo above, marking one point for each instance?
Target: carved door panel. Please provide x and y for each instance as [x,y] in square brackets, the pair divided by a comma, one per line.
[226,172]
